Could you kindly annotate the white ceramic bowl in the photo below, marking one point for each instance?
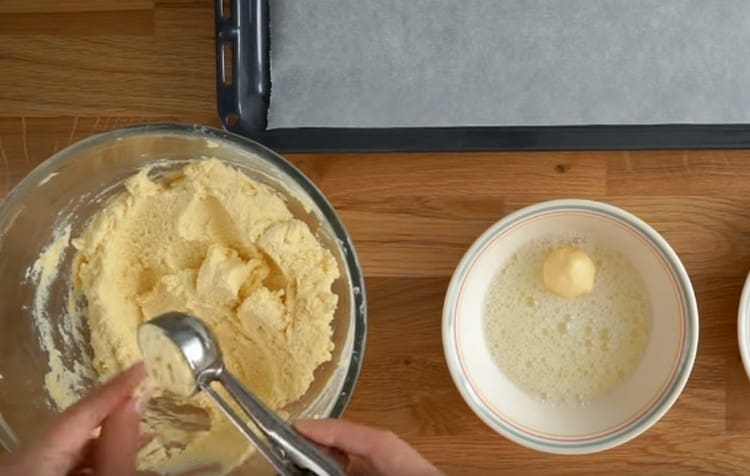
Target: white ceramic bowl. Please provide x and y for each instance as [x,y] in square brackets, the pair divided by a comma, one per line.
[633,405]
[743,326]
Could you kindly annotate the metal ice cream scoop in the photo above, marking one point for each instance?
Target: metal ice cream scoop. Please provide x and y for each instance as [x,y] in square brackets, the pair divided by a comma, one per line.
[288,452]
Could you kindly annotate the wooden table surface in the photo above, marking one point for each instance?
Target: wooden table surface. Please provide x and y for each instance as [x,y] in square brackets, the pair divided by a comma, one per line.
[73,68]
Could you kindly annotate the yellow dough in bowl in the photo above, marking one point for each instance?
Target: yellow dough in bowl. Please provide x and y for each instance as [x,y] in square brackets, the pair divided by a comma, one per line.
[211,242]
[569,272]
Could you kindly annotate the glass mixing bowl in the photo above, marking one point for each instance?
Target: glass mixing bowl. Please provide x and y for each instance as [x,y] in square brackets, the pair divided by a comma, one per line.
[69,188]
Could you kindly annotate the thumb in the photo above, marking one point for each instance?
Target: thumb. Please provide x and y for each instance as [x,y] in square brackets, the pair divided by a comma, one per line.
[59,449]
[116,449]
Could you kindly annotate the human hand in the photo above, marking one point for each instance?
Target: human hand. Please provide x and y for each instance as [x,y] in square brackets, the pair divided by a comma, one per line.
[68,446]
[365,451]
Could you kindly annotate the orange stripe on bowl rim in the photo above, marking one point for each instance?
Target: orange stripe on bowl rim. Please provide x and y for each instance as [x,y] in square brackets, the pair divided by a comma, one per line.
[638,414]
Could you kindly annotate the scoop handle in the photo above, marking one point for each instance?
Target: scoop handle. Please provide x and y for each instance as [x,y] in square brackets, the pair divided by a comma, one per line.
[290,445]
[279,464]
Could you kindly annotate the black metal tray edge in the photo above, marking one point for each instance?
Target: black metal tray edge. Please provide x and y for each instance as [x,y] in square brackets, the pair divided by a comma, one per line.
[242,29]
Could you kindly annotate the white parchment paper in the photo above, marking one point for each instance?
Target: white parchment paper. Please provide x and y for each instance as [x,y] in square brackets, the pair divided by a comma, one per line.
[392,63]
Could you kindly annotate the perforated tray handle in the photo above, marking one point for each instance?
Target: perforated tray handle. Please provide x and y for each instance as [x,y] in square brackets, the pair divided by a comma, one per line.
[242,65]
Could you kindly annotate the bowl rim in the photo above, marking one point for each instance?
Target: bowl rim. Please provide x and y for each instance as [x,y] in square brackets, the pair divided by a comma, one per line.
[743,326]
[358,293]
[679,377]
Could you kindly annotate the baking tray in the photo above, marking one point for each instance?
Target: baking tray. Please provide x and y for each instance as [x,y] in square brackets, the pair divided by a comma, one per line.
[244,86]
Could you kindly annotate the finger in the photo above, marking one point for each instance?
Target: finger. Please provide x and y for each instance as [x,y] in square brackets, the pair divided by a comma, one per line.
[85,459]
[144,439]
[361,467]
[77,422]
[382,450]
[61,448]
[117,447]
[341,458]
[85,464]
[348,437]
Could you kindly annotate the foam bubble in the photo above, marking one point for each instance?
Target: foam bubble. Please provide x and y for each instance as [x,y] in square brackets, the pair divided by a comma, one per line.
[560,350]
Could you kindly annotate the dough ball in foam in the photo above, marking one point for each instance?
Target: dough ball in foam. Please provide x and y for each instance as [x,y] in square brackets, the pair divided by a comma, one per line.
[569,272]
